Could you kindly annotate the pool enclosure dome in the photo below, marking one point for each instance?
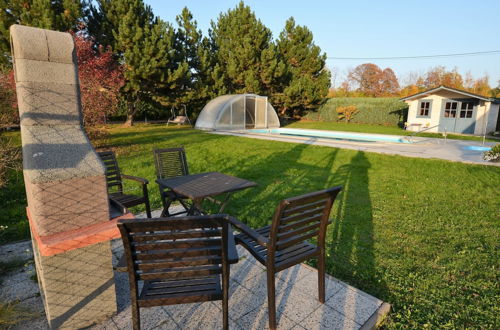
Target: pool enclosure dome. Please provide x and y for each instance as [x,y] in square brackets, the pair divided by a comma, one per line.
[237,112]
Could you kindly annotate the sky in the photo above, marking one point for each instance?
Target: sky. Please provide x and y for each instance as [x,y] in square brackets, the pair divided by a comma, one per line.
[379,28]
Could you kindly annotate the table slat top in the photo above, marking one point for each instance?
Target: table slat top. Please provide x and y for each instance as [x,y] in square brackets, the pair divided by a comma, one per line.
[202,185]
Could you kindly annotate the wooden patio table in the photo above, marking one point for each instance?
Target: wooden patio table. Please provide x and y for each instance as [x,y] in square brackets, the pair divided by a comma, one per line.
[198,187]
[201,186]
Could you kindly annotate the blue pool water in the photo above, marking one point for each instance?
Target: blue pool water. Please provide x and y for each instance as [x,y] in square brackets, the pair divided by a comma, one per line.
[476,148]
[345,136]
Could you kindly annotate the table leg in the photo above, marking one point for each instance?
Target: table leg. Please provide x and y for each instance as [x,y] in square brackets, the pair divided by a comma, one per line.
[224,202]
[195,209]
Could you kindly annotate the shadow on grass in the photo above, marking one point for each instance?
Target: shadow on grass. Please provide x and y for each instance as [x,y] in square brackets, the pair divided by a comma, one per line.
[350,242]
[285,176]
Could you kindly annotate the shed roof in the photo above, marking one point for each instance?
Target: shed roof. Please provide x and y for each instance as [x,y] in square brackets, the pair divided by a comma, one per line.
[449,89]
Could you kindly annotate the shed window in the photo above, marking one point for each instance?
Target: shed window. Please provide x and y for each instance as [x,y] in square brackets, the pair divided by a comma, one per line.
[450,109]
[425,107]
[466,109]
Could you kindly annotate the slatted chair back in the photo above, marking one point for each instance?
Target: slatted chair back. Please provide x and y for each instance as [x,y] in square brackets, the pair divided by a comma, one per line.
[113,175]
[296,221]
[170,162]
[182,248]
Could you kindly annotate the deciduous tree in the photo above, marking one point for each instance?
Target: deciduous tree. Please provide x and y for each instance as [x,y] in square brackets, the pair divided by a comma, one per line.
[495,92]
[101,78]
[373,81]
[438,76]
[481,86]
[389,85]
[367,77]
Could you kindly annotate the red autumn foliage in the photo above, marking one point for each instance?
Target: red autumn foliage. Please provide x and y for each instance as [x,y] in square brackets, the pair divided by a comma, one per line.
[101,78]
[373,81]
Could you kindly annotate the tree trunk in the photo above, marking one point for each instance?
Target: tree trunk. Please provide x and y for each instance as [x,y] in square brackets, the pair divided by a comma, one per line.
[129,121]
[132,108]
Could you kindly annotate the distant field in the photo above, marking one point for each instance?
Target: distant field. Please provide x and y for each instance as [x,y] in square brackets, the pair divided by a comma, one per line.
[388,111]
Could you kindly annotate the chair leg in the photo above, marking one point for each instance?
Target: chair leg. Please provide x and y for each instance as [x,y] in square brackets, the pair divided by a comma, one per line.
[148,208]
[166,204]
[321,278]
[271,300]
[136,317]
[225,299]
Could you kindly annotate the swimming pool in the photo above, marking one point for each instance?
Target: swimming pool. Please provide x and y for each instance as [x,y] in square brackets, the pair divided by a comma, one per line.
[343,136]
[476,148]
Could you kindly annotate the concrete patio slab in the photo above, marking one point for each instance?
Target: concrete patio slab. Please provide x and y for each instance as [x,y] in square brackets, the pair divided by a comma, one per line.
[296,298]
[452,150]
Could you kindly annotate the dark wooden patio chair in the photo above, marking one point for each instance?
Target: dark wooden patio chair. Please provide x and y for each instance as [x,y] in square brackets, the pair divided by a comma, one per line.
[284,243]
[181,260]
[171,163]
[114,179]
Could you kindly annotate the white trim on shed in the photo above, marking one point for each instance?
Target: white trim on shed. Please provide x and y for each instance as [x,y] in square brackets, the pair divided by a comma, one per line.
[445,109]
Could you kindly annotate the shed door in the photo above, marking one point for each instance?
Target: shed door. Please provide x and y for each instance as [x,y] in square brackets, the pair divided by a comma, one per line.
[466,119]
[449,117]
[458,117]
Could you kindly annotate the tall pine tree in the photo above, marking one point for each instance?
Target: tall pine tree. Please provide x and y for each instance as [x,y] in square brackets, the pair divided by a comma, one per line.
[307,80]
[188,43]
[60,15]
[104,17]
[239,40]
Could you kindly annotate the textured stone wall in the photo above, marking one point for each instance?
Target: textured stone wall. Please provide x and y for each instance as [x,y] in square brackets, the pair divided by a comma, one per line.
[65,182]
[64,178]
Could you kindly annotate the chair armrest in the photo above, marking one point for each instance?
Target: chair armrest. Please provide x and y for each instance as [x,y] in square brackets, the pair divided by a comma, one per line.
[117,206]
[248,231]
[135,178]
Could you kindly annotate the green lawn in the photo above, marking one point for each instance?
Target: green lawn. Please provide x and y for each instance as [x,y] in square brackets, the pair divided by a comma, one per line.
[378,129]
[420,234]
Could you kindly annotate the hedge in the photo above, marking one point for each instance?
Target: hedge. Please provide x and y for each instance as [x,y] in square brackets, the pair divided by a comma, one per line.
[389,111]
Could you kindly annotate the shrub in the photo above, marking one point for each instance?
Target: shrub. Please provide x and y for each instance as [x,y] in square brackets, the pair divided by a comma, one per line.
[347,112]
[492,155]
[10,159]
[9,115]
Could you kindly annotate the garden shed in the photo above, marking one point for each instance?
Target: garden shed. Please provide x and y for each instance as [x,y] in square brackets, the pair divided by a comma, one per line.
[236,112]
[445,109]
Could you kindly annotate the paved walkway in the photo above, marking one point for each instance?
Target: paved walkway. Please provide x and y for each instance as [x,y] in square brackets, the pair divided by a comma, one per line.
[298,308]
[453,150]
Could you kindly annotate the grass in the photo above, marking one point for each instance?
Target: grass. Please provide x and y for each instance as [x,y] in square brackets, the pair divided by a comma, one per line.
[420,234]
[12,197]
[12,314]
[377,129]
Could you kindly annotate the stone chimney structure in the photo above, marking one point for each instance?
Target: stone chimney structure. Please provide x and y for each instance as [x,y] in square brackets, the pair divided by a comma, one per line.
[68,207]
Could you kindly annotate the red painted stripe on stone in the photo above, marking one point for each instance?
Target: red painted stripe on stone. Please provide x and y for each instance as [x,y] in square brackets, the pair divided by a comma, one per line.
[77,238]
